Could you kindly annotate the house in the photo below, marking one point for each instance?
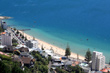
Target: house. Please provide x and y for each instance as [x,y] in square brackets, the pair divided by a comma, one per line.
[32,43]
[44,55]
[56,61]
[75,63]
[49,52]
[85,67]
[104,70]
[9,48]
[54,65]
[25,54]
[34,49]
[27,61]
[23,49]
[21,45]
[16,58]
[24,61]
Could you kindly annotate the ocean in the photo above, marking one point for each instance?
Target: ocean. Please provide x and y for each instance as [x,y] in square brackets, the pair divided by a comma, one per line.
[81,23]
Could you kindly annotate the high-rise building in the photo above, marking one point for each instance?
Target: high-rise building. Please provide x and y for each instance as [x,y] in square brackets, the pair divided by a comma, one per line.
[98,61]
[6,39]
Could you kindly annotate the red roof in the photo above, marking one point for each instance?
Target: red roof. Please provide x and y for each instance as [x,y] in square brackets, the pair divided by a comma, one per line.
[104,70]
[3,33]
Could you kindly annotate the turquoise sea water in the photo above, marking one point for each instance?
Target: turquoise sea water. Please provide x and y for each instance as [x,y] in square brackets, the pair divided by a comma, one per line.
[59,22]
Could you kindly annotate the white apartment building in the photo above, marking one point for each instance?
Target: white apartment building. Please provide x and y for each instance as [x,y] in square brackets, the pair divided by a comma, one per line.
[6,38]
[98,61]
[32,44]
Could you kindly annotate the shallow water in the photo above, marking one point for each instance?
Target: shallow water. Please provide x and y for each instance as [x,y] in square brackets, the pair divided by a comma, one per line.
[63,21]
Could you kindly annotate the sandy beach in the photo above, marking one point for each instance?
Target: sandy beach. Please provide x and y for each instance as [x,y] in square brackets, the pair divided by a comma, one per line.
[49,46]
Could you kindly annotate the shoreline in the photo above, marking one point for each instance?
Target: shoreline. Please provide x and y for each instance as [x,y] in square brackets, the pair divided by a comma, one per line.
[56,49]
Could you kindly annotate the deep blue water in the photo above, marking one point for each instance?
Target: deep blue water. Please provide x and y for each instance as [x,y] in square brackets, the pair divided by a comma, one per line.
[62,21]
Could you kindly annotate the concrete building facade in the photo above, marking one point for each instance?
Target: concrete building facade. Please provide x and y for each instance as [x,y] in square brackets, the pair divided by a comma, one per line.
[32,43]
[4,25]
[98,61]
[6,38]
[0,22]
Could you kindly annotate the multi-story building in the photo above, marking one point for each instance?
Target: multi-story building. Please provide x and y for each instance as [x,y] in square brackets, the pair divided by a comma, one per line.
[0,22]
[32,43]
[4,25]
[98,61]
[6,38]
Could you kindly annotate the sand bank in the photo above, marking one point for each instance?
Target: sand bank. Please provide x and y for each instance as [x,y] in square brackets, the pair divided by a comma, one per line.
[49,46]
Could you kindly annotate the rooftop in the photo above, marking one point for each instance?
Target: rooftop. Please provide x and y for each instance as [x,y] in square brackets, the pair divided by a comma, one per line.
[3,33]
[26,60]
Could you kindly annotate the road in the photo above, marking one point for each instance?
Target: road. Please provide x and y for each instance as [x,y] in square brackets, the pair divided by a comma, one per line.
[14,36]
[49,67]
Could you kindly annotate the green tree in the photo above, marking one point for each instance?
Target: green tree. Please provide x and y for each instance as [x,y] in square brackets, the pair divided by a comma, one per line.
[16,69]
[1,30]
[14,28]
[67,52]
[58,70]
[15,44]
[17,32]
[20,34]
[88,56]
[43,68]
[14,40]
[22,37]
[4,57]
[42,47]
[25,38]
[4,68]
[49,58]
[27,70]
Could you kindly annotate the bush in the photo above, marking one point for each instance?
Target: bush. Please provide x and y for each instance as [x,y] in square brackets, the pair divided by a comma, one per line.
[14,41]
[1,49]
[43,68]
[16,69]
[3,57]
[4,68]
[58,70]
[15,44]
[49,58]
[1,29]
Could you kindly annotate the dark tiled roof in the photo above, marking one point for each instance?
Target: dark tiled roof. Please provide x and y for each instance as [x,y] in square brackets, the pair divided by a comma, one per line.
[16,59]
[26,60]
[22,49]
